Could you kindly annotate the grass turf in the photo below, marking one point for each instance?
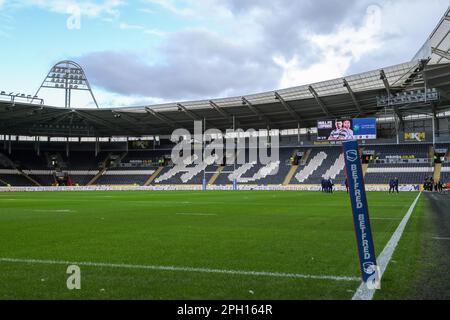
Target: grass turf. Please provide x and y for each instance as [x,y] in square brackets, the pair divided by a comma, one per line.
[307,233]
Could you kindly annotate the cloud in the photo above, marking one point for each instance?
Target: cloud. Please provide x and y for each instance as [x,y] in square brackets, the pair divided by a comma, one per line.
[337,51]
[402,35]
[172,7]
[197,64]
[236,60]
[126,26]
[153,32]
[247,47]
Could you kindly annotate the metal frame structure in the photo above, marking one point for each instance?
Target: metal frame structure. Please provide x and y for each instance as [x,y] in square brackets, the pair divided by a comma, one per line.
[352,96]
[296,107]
[67,75]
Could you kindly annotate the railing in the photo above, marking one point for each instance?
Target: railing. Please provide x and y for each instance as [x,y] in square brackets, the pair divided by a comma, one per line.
[408,97]
[20,97]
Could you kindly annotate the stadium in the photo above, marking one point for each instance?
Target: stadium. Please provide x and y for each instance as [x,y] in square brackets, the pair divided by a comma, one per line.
[242,213]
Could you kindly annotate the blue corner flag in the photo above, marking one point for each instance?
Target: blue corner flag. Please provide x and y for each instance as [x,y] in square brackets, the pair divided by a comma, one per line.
[357,192]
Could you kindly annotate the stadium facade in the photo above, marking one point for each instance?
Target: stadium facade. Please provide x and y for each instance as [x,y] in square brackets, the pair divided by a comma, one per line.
[46,145]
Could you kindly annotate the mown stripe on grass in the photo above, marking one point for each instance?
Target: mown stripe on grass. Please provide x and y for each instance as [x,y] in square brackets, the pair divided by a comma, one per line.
[195,214]
[183,269]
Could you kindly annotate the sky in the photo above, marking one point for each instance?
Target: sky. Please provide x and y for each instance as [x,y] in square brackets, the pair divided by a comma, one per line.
[147,52]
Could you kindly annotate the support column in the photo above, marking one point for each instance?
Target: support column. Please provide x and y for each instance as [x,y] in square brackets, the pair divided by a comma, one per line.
[203,154]
[97,146]
[433,125]
[38,146]
[396,128]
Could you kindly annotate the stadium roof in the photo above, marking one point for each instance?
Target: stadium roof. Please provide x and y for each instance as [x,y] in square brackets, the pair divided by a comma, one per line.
[352,96]
[437,46]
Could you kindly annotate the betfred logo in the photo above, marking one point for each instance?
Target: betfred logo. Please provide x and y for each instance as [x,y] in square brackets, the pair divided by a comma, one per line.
[369,267]
[352,155]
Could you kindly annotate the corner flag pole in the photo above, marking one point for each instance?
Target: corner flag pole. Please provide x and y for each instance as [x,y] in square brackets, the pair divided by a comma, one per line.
[358,199]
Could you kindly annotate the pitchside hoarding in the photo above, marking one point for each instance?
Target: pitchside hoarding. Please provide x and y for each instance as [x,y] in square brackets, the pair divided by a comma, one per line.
[347,129]
[357,192]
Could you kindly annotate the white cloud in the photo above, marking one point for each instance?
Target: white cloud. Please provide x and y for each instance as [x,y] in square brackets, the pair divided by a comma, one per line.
[113,100]
[197,9]
[172,7]
[337,51]
[155,32]
[126,26]
[254,47]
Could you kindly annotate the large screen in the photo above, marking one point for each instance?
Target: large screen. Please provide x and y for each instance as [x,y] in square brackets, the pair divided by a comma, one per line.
[346,129]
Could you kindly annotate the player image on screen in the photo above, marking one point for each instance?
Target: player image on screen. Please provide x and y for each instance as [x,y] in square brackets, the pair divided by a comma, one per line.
[348,129]
[342,131]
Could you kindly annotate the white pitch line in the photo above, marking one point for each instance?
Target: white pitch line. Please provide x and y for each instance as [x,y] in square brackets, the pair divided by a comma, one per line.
[363,293]
[183,269]
[53,210]
[441,238]
[196,214]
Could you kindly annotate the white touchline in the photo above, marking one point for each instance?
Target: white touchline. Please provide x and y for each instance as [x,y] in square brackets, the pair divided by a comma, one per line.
[441,238]
[363,293]
[196,214]
[56,210]
[183,269]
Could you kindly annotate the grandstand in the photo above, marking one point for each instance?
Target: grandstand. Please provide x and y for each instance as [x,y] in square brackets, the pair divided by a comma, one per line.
[409,162]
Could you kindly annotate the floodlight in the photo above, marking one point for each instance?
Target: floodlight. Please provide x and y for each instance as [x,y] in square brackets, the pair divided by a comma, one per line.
[67,75]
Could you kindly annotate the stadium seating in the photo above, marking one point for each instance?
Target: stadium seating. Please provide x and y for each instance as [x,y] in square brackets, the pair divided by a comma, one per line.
[400,161]
[122,180]
[16,180]
[419,151]
[337,167]
[409,162]
[445,172]
[311,167]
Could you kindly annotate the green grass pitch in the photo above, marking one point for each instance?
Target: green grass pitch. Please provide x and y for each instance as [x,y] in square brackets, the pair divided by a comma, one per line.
[280,232]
